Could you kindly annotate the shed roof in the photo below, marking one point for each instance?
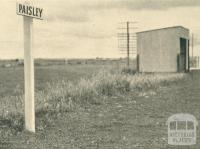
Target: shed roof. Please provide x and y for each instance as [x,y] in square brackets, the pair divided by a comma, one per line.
[163,29]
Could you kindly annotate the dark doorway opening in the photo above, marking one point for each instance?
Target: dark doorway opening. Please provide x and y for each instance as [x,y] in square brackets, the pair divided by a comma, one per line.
[182,56]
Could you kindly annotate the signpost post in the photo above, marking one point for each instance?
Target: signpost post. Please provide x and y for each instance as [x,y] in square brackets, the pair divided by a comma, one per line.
[29,12]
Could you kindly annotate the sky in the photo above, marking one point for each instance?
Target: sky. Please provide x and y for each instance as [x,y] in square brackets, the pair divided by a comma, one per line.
[88,28]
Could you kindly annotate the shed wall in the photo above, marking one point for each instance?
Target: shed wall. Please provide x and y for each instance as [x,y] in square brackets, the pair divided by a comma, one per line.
[158,49]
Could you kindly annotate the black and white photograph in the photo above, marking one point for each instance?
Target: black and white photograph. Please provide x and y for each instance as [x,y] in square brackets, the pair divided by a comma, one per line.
[99,74]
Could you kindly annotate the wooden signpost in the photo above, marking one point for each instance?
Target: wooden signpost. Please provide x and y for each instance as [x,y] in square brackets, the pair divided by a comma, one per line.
[29,12]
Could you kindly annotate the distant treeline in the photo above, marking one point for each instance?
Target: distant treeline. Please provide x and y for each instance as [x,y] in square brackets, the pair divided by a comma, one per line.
[47,62]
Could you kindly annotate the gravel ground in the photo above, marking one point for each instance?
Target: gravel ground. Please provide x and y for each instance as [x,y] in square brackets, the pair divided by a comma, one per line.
[134,120]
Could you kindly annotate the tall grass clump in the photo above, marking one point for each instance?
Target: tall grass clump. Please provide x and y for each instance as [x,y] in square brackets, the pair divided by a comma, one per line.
[11,114]
[65,96]
[154,81]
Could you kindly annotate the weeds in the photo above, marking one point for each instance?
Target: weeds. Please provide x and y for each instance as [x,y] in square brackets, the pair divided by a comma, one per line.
[65,95]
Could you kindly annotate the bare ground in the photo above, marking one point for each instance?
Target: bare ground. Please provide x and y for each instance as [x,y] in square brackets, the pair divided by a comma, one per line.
[125,121]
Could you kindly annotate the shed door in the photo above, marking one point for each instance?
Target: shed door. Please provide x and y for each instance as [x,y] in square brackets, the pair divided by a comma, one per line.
[182,58]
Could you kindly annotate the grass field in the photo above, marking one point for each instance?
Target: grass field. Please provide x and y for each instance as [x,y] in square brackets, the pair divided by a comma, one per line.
[13,78]
[121,110]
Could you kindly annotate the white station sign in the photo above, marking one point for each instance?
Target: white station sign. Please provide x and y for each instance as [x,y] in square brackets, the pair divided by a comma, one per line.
[29,11]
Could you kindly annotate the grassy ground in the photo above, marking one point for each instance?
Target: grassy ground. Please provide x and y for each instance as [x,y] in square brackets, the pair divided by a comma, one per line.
[12,79]
[133,119]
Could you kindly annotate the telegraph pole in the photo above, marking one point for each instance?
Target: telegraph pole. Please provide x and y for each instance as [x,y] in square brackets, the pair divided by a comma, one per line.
[128,36]
[192,44]
[127,40]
